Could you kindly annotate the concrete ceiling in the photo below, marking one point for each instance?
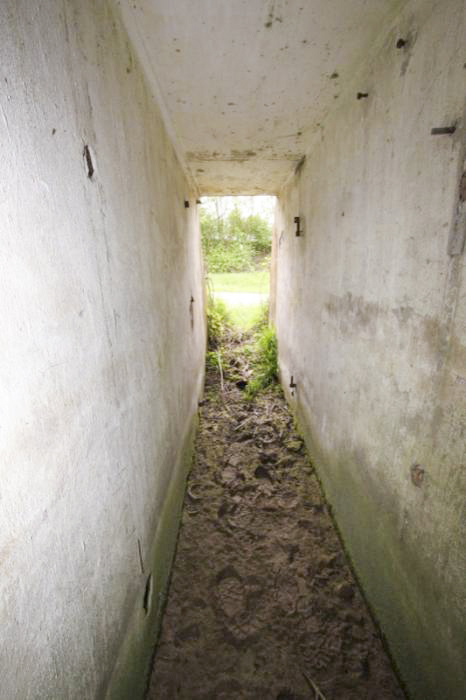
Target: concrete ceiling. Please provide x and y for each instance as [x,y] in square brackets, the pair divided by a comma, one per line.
[244,84]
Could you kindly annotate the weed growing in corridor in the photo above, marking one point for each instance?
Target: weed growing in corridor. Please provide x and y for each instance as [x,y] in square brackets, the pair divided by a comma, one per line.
[246,358]
[261,320]
[264,361]
[218,322]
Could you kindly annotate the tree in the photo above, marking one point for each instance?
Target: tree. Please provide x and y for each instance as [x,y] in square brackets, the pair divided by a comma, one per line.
[234,243]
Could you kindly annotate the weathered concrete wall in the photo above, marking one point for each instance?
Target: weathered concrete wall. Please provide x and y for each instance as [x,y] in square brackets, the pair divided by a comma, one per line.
[102,351]
[371,320]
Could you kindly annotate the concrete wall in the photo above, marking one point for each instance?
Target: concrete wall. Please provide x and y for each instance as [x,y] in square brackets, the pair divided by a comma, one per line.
[371,321]
[102,352]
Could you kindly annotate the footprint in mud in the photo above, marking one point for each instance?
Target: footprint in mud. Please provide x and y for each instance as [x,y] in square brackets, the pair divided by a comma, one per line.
[239,604]
[231,478]
[241,517]
[243,511]
[230,593]
[286,592]
[266,437]
[228,475]
[288,500]
[320,645]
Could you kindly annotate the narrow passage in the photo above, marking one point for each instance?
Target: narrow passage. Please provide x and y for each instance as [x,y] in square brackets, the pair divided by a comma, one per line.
[262,604]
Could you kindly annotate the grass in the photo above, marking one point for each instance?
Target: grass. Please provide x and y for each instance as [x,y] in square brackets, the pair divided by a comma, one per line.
[243,316]
[257,281]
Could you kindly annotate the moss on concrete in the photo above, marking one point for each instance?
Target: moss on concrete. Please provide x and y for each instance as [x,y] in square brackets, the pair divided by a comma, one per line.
[401,590]
[131,674]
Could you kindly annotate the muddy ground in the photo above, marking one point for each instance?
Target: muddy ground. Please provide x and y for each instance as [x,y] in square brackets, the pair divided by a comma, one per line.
[262,603]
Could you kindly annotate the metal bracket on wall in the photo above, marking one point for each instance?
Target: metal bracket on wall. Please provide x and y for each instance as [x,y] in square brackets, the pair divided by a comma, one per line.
[297,220]
[88,160]
[441,130]
[292,385]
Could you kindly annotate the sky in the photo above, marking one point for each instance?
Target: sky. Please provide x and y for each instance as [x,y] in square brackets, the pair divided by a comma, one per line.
[264,205]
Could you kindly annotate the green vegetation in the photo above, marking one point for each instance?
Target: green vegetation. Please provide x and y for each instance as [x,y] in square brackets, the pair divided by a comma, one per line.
[235,243]
[241,315]
[218,322]
[264,361]
[224,321]
[244,317]
[237,251]
[251,355]
[257,281]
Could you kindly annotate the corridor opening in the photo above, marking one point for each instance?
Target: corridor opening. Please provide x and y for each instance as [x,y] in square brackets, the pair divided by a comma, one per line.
[236,234]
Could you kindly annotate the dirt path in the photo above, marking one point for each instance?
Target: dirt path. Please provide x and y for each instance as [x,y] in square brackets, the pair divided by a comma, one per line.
[262,603]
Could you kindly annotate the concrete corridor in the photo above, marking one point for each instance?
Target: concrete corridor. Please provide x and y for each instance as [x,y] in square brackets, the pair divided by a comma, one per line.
[116,117]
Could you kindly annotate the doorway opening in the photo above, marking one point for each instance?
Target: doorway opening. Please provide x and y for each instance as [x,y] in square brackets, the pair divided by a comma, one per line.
[237,243]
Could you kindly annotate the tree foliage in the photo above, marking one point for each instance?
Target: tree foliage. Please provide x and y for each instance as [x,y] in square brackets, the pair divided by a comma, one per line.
[235,243]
